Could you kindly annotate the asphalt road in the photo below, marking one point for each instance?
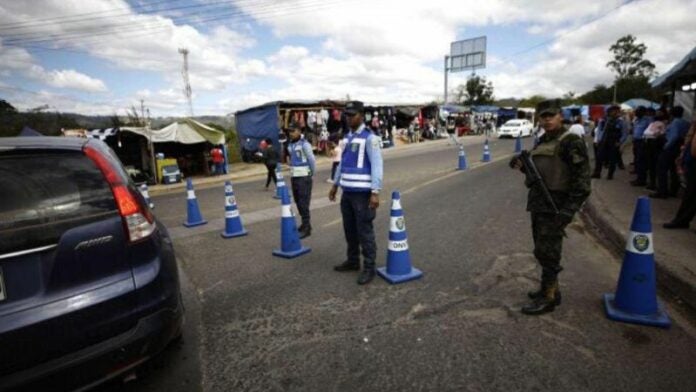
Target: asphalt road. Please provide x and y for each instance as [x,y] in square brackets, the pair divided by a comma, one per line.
[259,323]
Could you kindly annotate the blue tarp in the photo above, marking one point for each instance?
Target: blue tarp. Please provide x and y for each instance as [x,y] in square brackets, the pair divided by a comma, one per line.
[673,73]
[485,109]
[256,124]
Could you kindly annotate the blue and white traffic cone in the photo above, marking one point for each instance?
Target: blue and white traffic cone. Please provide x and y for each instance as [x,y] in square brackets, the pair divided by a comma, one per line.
[193,213]
[635,300]
[398,269]
[233,222]
[462,159]
[146,196]
[280,183]
[486,152]
[290,245]
[518,143]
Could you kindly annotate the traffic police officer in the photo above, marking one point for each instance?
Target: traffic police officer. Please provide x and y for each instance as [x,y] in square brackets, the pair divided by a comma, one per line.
[562,161]
[359,174]
[302,167]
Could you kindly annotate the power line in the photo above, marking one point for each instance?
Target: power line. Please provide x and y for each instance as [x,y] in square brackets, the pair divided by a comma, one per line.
[268,11]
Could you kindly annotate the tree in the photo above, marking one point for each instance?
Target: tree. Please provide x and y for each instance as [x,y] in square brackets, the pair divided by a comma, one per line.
[598,95]
[477,91]
[570,98]
[532,101]
[6,108]
[628,59]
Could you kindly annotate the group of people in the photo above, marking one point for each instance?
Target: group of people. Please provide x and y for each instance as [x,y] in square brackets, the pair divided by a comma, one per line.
[662,159]
[357,169]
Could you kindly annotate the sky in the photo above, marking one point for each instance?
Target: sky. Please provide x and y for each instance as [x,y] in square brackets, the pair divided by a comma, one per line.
[103,56]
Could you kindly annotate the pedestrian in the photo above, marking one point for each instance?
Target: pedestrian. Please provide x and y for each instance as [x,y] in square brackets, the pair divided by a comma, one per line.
[654,140]
[302,168]
[608,148]
[562,161]
[640,124]
[218,160]
[687,208]
[577,127]
[667,177]
[270,159]
[360,176]
[336,153]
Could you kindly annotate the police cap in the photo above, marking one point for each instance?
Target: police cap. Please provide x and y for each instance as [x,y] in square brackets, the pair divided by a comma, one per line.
[354,107]
[550,106]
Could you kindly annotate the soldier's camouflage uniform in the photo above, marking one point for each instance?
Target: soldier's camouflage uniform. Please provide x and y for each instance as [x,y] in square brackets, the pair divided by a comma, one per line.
[569,187]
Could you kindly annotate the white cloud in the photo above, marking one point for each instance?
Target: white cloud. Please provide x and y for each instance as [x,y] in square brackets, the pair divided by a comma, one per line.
[72,79]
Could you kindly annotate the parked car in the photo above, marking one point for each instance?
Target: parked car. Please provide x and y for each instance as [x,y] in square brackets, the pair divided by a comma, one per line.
[89,286]
[516,128]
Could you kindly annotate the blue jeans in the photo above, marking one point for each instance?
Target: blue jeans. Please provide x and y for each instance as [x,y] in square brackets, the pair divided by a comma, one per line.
[358,228]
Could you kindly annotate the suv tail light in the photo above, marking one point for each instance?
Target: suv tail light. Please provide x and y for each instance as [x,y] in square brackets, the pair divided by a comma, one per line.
[137,218]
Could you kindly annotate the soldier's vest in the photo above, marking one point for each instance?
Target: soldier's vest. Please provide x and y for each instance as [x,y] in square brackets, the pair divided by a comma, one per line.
[553,170]
[356,169]
[298,160]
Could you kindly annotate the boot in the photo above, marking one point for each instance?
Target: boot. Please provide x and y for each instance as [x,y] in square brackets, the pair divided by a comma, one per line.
[540,292]
[305,231]
[366,276]
[545,303]
[348,266]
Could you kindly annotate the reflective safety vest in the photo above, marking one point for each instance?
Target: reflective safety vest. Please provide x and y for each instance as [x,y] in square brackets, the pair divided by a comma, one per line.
[298,159]
[554,171]
[356,170]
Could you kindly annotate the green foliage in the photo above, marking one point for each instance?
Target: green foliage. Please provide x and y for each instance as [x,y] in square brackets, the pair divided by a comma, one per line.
[476,91]
[628,59]
[532,101]
[49,123]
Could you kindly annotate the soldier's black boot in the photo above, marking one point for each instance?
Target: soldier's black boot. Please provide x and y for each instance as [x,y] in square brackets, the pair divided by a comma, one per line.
[348,266]
[366,276]
[305,231]
[548,274]
[545,303]
[540,292]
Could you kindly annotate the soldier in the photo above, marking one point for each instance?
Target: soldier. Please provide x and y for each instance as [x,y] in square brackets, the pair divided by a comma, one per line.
[302,167]
[608,153]
[360,176]
[562,162]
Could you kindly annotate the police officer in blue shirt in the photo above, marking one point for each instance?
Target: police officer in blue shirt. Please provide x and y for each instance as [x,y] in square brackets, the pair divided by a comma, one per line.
[360,176]
[302,168]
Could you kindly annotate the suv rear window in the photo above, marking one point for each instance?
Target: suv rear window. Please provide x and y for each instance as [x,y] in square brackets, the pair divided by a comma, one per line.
[45,193]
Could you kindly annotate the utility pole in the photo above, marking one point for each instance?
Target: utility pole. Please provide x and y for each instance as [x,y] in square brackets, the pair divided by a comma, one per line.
[446,61]
[187,84]
[142,111]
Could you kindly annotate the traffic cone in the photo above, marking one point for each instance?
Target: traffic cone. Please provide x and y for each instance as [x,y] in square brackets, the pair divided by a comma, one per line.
[290,245]
[233,222]
[398,269]
[146,195]
[193,214]
[518,143]
[486,152]
[462,158]
[635,300]
[280,183]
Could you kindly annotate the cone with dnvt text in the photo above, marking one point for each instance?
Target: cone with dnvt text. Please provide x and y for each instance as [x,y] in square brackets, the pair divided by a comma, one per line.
[462,159]
[146,195]
[518,143]
[635,300]
[398,269]
[233,222]
[486,152]
[280,183]
[290,245]
[193,213]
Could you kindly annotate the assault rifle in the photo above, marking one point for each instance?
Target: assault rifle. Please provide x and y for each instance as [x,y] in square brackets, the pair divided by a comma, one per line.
[534,178]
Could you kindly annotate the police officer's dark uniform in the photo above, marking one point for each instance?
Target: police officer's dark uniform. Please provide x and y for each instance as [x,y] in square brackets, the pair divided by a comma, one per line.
[608,152]
[360,176]
[562,161]
[302,168]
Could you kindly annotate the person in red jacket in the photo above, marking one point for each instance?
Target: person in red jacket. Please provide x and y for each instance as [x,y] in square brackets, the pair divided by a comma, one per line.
[218,160]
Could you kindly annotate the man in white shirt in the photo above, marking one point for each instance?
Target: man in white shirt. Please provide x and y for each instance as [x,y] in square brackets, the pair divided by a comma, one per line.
[577,127]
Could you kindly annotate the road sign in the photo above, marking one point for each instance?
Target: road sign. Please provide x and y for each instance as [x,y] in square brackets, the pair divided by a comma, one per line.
[468,54]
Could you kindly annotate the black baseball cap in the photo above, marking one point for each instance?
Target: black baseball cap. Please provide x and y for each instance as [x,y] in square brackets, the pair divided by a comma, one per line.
[550,106]
[354,107]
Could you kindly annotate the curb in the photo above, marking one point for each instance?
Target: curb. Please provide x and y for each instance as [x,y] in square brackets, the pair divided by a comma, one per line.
[615,239]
